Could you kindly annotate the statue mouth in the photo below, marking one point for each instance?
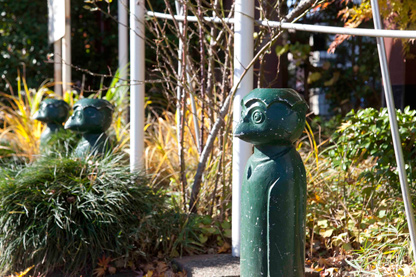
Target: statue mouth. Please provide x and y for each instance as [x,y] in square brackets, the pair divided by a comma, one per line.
[241,135]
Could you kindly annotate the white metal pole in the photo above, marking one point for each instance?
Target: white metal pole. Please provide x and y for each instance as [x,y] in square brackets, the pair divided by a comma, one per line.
[66,49]
[123,38]
[137,88]
[300,27]
[243,54]
[398,151]
[57,66]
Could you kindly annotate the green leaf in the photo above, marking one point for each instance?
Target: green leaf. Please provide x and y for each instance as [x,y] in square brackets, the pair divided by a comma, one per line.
[226,225]
[227,233]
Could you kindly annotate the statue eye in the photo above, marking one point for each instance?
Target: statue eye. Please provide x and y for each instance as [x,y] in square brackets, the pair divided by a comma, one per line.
[78,114]
[90,112]
[258,117]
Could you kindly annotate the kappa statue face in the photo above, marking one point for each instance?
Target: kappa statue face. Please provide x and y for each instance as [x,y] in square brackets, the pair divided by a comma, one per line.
[90,116]
[271,116]
[52,111]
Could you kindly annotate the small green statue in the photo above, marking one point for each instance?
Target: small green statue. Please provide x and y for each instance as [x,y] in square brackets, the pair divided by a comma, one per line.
[53,112]
[273,195]
[91,118]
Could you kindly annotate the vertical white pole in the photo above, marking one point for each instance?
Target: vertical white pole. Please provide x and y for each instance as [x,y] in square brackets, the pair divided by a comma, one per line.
[397,145]
[123,38]
[57,66]
[66,49]
[243,54]
[137,76]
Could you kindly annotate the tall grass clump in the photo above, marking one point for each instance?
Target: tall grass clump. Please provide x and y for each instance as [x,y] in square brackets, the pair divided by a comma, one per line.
[19,132]
[61,214]
[162,160]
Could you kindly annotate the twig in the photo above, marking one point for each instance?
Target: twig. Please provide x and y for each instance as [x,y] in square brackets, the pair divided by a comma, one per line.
[217,126]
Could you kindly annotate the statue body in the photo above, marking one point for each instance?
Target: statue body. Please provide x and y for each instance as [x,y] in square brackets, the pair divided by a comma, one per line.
[92,143]
[273,195]
[91,118]
[53,112]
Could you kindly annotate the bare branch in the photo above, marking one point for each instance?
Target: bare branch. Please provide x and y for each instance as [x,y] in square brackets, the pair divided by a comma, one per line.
[299,10]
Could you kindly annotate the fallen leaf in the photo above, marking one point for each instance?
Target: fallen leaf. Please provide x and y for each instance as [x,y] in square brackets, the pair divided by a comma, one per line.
[112,270]
[169,273]
[181,274]
[224,248]
[148,267]
[322,262]
[161,267]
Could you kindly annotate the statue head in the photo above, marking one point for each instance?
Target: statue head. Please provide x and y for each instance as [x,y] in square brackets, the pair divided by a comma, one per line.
[272,116]
[52,111]
[91,116]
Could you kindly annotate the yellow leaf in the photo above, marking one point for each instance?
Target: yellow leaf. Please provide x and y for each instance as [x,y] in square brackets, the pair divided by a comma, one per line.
[326,233]
[181,274]
[149,274]
[23,273]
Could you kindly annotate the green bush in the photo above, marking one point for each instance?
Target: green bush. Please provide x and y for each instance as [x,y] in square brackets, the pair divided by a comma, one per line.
[62,214]
[366,134]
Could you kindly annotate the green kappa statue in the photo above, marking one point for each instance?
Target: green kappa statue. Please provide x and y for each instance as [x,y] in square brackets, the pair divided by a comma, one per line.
[273,194]
[53,112]
[91,118]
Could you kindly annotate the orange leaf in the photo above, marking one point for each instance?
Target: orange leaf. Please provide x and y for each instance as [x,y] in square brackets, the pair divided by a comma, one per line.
[104,261]
[99,271]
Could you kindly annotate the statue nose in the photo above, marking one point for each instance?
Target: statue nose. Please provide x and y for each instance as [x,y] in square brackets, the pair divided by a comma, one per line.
[67,123]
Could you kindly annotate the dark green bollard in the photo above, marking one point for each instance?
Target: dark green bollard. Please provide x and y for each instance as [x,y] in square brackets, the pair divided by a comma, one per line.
[273,195]
[91,118]
[53,112]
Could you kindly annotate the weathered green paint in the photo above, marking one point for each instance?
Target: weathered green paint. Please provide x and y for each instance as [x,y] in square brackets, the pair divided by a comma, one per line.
[273,195]
[53,112]
[91,118]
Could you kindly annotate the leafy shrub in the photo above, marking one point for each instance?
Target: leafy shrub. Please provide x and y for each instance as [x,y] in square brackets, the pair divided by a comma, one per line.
[355,220]
[366,134]
[62,214]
